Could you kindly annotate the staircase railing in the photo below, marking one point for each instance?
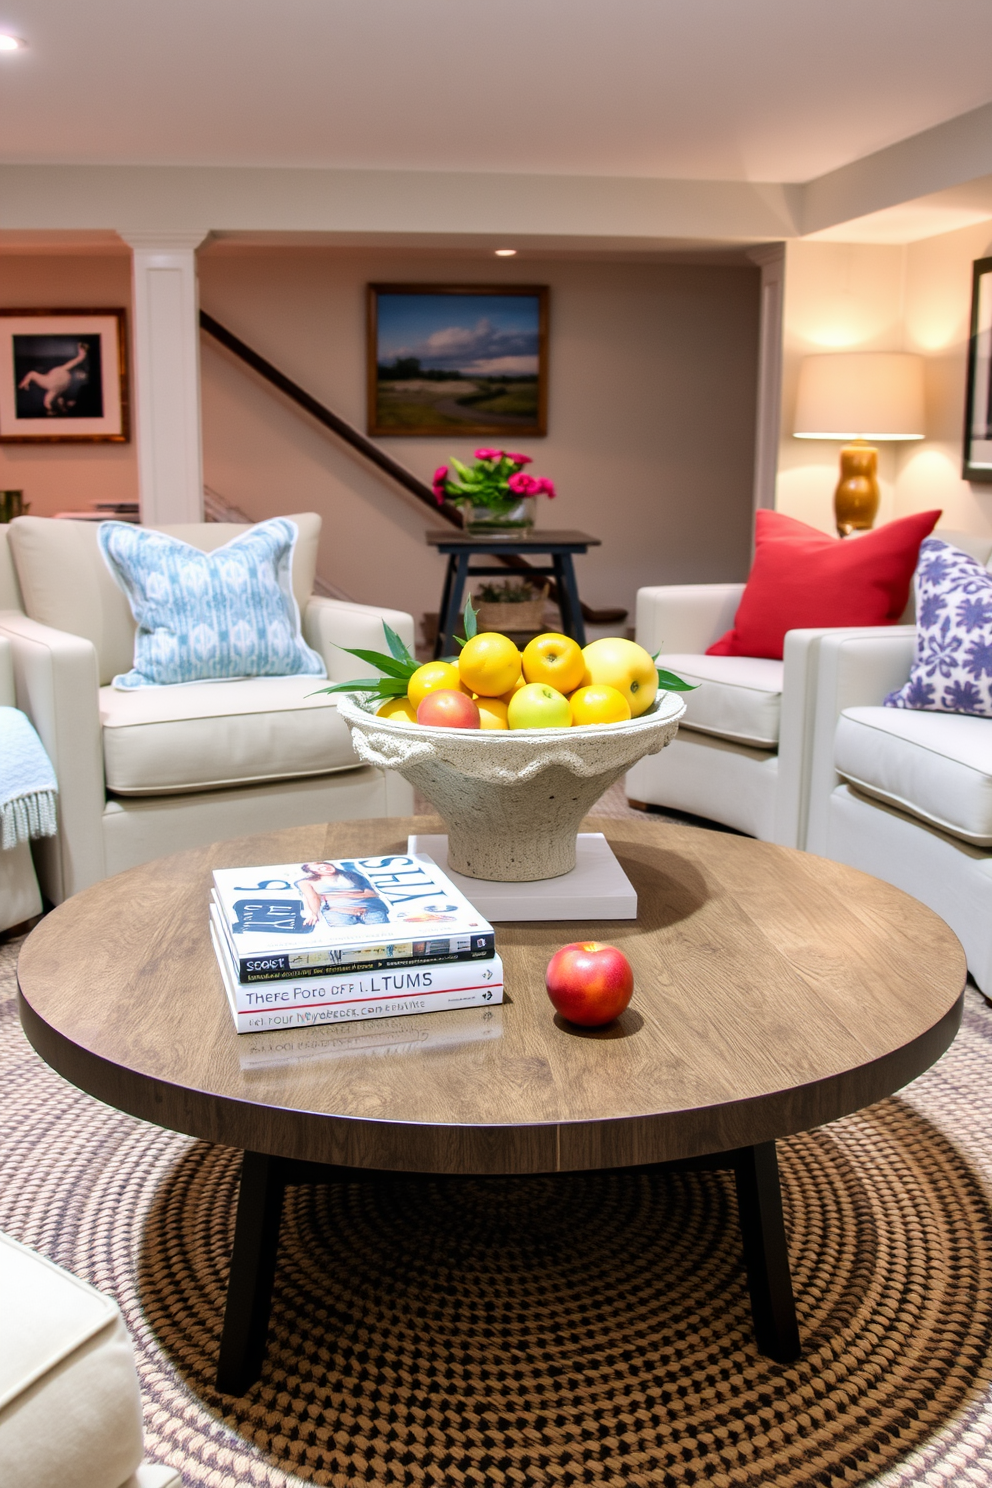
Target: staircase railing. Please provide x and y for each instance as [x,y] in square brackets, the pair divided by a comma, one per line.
[370,451]
[217,508]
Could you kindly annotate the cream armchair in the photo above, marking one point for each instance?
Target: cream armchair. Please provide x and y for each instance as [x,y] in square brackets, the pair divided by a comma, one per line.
[70,1410]
[904,795]
[159,769]
[19,896]
[742,754]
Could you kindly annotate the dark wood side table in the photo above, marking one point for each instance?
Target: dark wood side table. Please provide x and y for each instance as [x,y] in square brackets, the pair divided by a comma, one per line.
[774,991]
[460,547]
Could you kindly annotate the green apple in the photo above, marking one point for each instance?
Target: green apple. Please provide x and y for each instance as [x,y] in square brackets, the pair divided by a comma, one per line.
[537,705]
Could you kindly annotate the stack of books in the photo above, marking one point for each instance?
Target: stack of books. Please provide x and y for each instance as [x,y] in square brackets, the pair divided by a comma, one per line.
[301,944]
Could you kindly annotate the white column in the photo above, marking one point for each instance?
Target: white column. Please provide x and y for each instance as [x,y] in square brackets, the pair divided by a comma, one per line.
[166,375]
[771,260]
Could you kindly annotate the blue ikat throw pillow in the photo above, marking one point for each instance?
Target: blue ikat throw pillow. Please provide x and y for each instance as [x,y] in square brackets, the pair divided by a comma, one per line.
[952,668]
[202,616]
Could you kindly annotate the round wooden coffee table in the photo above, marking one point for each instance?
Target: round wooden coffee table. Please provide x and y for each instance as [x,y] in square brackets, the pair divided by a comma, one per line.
[774,991]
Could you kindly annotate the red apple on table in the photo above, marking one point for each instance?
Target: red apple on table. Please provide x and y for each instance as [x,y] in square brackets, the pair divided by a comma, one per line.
[589,983]
[448,708]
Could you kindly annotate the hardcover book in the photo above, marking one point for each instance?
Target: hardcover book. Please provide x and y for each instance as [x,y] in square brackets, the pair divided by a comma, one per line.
[369,995]
[307,919]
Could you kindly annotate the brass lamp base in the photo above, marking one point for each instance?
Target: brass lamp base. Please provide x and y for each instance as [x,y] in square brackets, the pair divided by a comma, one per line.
[857,495]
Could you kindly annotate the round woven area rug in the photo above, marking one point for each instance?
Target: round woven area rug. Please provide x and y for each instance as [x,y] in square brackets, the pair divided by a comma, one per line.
[554,1330]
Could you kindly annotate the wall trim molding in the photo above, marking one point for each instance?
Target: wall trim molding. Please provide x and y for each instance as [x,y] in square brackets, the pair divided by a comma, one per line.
[771,259]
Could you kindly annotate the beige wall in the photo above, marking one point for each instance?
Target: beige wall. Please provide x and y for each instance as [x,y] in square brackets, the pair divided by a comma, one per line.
[651,426]
[937,322]
[883,297]
[56,477]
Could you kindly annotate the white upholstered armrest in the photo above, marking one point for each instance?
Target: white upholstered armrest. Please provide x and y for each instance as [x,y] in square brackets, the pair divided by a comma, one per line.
[685,618]
[856,668]
[57,686]
[329,624]
[154,1475]
[8,697]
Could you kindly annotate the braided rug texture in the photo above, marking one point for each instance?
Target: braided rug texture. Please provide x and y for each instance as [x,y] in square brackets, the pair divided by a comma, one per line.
[551,1331]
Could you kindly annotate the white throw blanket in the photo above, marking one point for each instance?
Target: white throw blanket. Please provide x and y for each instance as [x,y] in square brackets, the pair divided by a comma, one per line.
[28,787]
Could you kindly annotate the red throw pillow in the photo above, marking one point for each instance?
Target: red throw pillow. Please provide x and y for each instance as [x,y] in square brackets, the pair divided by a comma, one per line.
[802,578]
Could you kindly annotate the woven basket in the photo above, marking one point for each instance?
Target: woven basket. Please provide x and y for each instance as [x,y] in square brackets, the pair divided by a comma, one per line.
[526,614]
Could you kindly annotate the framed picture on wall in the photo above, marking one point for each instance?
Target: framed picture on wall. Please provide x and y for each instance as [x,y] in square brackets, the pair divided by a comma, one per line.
[978,400]
[460,359]
[63,377]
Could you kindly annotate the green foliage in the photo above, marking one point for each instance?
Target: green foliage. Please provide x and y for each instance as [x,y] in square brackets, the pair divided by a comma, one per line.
[470,622]
[669,681]
[510,592]
[398,667]
[484,483]
[398,647]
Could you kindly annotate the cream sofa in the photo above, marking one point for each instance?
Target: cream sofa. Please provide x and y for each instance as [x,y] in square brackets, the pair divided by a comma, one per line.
[70,1411]
[156,770]
[20,899]
[902,794]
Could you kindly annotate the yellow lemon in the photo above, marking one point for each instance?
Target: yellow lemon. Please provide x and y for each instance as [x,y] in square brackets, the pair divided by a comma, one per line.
[539,706]
[489,664]
[520,682]
[399,709]
[492,713]
[626,666]
[430,677]
[554,659]
[599,704]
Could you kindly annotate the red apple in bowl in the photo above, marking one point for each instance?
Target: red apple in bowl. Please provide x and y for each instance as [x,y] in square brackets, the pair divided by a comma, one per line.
[447,708]
[589,983]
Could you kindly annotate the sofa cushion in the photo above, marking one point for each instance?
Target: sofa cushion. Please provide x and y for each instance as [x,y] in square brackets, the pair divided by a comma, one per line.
[70,1411]
[740,699]
[952,667]
[204,735]
[937,766]
[802,578]
[206,617]
[66,584]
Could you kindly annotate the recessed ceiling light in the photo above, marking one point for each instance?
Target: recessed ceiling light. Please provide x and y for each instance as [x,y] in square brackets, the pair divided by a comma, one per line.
[11,44]
[505,252]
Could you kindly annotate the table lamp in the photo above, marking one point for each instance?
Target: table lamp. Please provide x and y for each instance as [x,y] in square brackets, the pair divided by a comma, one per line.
[859,396]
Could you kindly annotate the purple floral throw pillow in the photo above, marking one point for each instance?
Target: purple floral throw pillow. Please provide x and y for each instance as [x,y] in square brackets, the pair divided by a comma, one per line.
[952,668]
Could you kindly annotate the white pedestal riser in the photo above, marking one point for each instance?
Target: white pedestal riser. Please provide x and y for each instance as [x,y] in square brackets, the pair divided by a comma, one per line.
[596,889]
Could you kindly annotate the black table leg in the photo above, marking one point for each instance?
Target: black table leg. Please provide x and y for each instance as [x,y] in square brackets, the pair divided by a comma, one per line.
[568,598]
[253,1266]
[766,1255]
[442,613]
[449,620]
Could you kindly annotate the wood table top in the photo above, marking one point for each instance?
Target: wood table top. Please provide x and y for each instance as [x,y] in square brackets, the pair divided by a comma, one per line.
[541,539]
[774,991]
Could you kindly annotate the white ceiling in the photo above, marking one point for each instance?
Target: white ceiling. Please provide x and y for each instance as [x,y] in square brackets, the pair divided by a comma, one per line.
[771,90]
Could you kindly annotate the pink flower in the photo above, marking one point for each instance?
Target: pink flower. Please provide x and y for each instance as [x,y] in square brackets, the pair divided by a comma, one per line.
[440,476]
[523,485]
[488,454]
[545,486]
[519,459]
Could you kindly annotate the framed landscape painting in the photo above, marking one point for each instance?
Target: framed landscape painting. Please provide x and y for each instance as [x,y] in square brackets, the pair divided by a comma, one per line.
[470,359]
[978,401]
[63,377]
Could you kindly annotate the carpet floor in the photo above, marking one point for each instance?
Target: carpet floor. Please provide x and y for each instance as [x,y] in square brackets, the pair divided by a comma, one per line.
[589,1329]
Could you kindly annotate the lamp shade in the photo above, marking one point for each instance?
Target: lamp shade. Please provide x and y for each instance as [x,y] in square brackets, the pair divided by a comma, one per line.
[860,395]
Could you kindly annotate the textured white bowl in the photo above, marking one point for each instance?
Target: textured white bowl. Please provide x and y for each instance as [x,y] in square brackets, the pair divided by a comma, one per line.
[512,799]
